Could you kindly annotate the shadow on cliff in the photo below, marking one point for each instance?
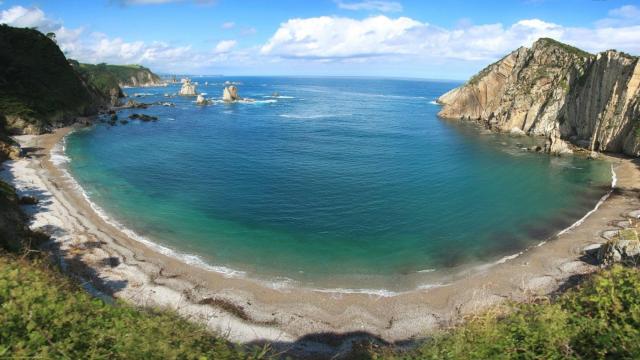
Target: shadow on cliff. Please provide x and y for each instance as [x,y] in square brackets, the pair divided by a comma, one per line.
[32,152]
[330,345]
[72,262]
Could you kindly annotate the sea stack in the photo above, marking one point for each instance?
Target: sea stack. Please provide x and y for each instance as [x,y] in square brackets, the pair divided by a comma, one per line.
[230,94]
[188,88]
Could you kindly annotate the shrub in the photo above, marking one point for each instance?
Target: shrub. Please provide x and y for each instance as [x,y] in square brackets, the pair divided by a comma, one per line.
[597,320]
[45,315]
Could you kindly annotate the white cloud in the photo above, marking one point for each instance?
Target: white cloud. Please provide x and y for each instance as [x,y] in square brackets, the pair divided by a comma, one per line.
[339,38]
[228,25]
[370,5]
[627,11]
[20,16]
[225,46]
[395,44]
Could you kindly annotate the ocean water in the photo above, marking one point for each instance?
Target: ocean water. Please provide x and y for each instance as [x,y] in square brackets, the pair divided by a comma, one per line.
[338,183]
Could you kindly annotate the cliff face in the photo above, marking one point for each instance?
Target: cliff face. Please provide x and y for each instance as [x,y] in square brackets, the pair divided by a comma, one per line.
[557,91]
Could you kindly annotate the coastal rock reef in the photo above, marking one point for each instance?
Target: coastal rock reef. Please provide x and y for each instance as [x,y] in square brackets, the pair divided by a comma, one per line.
[557,91]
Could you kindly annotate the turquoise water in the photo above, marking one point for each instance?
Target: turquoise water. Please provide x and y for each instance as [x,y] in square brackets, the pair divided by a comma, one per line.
[337,183]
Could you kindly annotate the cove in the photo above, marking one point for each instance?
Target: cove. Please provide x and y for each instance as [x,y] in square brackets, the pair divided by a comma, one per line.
[337,182]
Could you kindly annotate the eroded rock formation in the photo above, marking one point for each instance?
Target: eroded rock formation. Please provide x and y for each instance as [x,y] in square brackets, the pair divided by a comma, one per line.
[188,88]
[557,91]
[230,94]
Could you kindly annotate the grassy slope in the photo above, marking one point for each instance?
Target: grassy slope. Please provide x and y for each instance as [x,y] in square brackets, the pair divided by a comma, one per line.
[45,314]
[600,319]
[100,76]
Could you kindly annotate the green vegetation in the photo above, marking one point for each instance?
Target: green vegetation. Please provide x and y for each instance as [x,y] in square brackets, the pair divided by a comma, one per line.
[36,82]
[44,315]
[477,77]
[568,48]
[99,76]
[600,319]
[110,76]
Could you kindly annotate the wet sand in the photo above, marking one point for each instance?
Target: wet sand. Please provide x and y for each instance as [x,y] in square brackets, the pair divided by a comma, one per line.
[301,319]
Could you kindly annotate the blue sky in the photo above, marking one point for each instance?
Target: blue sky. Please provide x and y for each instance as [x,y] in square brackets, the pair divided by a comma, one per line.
[445,39]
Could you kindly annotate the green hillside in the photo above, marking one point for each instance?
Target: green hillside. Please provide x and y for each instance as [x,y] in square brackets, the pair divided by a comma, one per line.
[38,87]
[122,75]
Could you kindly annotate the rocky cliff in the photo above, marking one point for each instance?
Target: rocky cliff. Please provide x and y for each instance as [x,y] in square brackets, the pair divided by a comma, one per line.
[557,91]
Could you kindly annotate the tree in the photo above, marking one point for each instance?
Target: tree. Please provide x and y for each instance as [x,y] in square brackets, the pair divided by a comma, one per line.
[52,36]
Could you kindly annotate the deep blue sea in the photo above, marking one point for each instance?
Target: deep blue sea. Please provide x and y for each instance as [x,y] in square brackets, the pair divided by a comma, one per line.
[338,182]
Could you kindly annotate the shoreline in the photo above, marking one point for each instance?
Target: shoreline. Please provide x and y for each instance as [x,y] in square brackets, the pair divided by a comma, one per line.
[117,264]
[438,278]
[411,281]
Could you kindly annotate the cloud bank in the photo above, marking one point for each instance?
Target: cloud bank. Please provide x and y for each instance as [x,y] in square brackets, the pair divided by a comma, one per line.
[337,38]
[380,39]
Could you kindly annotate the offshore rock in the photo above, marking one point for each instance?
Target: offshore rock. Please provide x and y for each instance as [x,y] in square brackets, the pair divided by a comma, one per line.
[188,88]
[559,92]
[200,100]
[230,94]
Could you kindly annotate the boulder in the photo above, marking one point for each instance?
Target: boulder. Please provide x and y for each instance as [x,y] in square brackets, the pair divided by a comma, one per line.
[516,131]
[555,145]
[230,94]
[200,100]
[28,200]
[624,248]
[135,105]
[143,117]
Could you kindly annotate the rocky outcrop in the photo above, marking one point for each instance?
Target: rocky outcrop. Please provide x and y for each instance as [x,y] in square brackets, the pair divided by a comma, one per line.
[555,145]
[200,100]
[557,91]
[230,94]
[188,89]
[624,247]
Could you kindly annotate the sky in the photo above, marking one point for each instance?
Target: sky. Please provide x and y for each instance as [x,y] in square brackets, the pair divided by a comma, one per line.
[447,39]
